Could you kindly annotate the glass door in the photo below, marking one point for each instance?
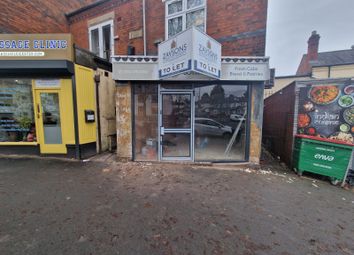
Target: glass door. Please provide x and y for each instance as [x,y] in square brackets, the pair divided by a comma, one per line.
[49,122]
[176,135]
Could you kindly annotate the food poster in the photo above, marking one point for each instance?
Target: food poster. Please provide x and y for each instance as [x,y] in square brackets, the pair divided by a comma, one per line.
[327,111]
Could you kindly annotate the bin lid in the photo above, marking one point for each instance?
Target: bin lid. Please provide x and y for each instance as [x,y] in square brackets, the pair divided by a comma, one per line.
[326,140]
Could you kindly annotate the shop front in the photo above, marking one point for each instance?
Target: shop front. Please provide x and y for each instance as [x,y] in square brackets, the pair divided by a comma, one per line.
[47,101]
[183,105]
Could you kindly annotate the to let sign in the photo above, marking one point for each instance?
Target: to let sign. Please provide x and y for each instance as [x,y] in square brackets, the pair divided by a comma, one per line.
[190,50]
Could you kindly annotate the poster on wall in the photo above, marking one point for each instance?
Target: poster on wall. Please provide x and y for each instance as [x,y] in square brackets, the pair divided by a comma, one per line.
[327,111]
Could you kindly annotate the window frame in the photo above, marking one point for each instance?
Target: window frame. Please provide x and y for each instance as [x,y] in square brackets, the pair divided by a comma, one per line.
[32,99]
[100,26]
[193,86]
[183,14]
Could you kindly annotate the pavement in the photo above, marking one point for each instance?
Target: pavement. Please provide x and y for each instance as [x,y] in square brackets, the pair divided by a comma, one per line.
[52,206]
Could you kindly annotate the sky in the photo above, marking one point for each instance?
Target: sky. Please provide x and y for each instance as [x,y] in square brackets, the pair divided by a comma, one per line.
[290,23]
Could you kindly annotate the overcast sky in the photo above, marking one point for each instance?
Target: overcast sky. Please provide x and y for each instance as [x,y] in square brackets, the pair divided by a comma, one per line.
[290,23]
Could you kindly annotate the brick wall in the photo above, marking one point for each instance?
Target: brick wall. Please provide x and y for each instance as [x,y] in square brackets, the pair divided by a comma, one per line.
[240,25]
[37,16]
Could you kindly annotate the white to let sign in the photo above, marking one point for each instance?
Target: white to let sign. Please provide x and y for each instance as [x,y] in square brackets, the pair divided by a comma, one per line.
[191,50]
[206,55]
[175,55]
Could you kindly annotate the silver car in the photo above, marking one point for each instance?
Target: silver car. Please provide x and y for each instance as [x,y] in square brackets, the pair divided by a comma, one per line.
[209,127]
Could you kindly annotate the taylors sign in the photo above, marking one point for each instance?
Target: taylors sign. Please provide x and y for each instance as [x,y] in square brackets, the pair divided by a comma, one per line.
[190,50]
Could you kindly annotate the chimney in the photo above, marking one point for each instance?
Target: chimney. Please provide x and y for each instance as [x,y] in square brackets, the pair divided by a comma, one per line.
[313,43]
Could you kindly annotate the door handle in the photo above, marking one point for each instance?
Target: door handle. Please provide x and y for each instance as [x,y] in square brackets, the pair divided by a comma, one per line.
[38,111]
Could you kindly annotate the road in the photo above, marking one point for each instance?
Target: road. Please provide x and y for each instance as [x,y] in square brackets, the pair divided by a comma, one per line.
[65,207]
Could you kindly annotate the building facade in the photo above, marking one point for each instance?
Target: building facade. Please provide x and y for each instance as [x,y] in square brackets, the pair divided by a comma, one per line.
[239,26]
[48,96]
[185,117]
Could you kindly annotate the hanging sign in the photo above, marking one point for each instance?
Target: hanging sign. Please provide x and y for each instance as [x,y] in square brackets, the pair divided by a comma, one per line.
[191,50]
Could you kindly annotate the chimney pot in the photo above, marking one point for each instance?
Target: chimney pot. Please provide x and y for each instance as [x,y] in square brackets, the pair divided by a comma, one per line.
[313,43]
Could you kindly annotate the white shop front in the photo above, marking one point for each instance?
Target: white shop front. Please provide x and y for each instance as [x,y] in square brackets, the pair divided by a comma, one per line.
[189,103]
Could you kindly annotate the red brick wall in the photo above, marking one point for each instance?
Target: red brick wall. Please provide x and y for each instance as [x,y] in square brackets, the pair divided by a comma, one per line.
[37,16]
[239,25]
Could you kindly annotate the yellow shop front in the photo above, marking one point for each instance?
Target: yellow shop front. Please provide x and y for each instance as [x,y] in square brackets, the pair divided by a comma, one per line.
[47,102]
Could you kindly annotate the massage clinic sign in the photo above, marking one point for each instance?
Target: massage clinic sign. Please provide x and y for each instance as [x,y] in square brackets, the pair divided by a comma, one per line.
[36,47]
[189,51]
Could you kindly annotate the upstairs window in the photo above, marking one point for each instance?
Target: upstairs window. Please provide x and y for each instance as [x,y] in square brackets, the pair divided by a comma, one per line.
[101,39]
[183,14]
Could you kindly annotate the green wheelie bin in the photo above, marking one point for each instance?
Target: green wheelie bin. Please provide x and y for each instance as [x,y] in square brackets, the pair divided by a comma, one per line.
[319,156]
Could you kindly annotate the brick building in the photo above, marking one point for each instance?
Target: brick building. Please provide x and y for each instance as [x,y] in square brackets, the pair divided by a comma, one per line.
[36,16]
[240,26]
[188,115]
[209,110]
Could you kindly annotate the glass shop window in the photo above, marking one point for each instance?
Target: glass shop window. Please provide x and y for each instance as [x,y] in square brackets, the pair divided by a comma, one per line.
[101,40]
[183,14]
[220,122]
[146,122]
[17,122]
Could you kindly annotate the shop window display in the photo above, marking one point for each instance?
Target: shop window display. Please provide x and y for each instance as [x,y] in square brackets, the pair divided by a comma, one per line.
[220,122]
[146,122]
[16,111]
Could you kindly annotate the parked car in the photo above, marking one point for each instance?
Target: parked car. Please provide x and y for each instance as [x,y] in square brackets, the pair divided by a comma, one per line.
[209,127]
[236,117]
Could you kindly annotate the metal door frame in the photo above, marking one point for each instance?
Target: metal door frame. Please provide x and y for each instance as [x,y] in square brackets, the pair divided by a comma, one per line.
[161,92]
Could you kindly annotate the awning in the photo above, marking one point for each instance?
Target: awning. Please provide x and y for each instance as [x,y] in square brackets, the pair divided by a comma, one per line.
[38,68]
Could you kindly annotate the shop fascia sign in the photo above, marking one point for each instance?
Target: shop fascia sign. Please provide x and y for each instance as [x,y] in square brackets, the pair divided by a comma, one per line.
[131,69]
[35,46]
[246,71]
[189,51]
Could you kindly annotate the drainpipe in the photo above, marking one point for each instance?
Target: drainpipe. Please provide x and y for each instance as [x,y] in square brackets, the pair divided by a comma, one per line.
[144,27]
[97,79]
[76,119]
